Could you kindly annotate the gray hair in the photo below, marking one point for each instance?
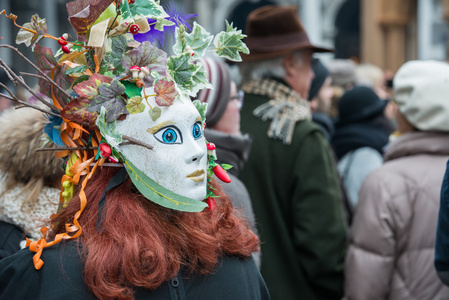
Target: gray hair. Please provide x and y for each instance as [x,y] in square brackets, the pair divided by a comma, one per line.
[266,68]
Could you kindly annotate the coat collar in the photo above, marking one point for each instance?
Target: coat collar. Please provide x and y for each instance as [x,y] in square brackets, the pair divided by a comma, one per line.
[418,142]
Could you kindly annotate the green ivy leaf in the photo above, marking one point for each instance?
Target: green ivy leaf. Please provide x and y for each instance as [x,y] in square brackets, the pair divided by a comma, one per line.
[161,22]
[182,71]
[160,195]
[142,8]
[113,59]
[131,89]
[135,105]
[201,108]
[108,130]
[198,40]
[166,92]
[155,113]
[200,82]
[228,44]
[110,97]
[28,38]
[79,69]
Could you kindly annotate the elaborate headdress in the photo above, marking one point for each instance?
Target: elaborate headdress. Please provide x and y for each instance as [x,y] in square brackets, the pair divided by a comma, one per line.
[105,86]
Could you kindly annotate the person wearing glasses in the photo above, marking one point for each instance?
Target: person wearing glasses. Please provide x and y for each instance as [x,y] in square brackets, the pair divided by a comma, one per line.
[223,129]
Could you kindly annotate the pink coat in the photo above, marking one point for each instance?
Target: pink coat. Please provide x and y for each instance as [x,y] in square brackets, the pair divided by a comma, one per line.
[392,248]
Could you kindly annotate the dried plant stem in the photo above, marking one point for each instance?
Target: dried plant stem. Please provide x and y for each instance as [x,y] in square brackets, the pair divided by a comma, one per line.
[60,149]
[131,141]
[136,142]
[17,100]
[40,72]
[118,165]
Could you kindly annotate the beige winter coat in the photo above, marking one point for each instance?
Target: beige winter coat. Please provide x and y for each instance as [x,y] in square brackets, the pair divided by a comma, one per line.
[392,248]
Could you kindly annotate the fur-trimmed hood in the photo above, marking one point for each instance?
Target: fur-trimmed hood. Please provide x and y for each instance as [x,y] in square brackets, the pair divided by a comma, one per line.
[21,134]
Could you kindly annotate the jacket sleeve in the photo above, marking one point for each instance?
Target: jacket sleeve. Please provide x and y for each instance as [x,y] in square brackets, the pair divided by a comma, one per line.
[370,259]
[442,238]
[319,227]
[60,277]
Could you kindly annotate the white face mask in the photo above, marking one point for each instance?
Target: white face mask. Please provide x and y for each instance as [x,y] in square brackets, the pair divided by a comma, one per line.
[178,160]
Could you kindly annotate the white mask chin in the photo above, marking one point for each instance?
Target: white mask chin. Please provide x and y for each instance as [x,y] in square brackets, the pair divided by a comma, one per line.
[178,160]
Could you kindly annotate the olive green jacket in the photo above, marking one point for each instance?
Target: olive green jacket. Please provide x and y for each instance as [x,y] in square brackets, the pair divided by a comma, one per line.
[297,203]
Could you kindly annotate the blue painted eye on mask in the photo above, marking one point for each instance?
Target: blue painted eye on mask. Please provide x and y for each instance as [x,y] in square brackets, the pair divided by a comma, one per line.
[169,135]
[197,131]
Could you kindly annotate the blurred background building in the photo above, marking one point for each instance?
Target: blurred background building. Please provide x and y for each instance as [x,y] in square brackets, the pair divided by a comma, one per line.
[383,32]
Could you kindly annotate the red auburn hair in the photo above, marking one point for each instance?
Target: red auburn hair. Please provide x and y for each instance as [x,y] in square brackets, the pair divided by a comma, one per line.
[142,244]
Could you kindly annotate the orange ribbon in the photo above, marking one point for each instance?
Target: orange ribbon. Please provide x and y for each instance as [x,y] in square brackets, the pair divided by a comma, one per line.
[75,227]
[71,136]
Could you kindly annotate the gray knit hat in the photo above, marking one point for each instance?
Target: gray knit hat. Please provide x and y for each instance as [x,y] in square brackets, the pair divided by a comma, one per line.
[218,97]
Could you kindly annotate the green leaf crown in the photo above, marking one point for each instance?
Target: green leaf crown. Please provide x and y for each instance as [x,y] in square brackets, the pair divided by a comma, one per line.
[100,76]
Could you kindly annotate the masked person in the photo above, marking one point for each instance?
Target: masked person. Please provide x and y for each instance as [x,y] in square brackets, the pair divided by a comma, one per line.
[146,219]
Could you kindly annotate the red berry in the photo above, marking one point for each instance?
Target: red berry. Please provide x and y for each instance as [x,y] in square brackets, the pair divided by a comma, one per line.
[65,49]
[211,146]
[105,150]
[132,1]
[211,203]
[134,29]
[62,41]
[112,159]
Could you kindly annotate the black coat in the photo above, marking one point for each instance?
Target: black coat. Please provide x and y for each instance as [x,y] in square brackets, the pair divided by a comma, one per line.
[61,278]
[10,237]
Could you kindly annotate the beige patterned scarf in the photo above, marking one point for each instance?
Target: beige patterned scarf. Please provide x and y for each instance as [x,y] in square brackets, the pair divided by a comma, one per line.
[285,107]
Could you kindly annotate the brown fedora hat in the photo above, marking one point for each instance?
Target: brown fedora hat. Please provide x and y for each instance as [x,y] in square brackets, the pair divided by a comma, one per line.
[273,31]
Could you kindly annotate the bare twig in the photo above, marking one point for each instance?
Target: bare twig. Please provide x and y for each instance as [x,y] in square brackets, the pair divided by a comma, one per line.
[136,142]
[120,165]
[5,67]
[60,149]
[33,75]
[39,71]
[17,100]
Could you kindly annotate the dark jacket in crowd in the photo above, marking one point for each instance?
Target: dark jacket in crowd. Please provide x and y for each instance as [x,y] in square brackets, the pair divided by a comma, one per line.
[325,123]
[442,239]
[61,277]
[10,237]
[373,133]
[297,202]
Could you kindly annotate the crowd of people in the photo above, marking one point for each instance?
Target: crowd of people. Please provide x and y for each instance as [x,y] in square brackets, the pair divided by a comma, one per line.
[338,189]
